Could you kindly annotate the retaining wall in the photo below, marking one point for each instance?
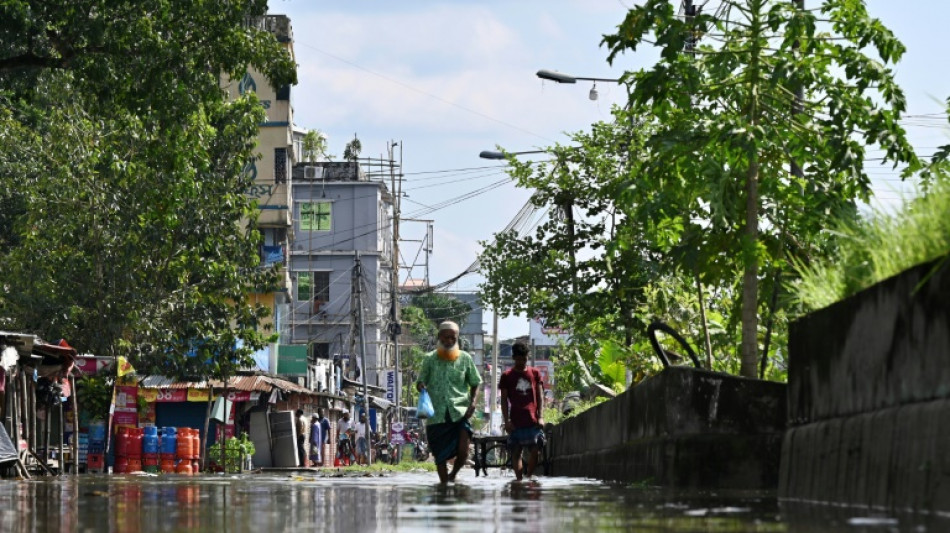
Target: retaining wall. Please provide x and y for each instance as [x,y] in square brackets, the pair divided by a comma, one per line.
[869,398]
[681,428]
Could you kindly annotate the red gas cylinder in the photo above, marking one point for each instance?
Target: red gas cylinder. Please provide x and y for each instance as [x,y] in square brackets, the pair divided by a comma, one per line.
[135,464]
[150,459]
[184,467]
[121,465]
[122,442]
[195,445]
[135,442]
[168,466]
[183,449]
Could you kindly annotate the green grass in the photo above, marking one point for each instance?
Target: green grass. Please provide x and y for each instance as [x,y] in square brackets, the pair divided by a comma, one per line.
[375,468]
[880,246]
[553,415]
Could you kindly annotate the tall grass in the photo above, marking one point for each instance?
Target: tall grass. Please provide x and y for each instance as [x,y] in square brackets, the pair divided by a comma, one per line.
[879,246]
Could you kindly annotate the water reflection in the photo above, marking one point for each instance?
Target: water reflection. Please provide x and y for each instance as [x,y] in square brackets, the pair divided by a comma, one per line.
[405,502]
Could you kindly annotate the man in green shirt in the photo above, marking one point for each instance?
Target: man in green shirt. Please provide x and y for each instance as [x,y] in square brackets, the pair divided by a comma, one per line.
[451,379]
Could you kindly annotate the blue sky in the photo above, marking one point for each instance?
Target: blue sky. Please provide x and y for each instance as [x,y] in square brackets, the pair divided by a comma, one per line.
[448,79]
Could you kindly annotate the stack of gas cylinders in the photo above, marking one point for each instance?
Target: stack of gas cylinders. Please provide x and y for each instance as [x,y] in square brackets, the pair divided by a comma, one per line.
[95,455]
[174,450]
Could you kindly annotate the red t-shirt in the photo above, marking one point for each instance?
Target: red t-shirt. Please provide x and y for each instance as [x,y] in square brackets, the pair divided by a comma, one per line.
[521,387]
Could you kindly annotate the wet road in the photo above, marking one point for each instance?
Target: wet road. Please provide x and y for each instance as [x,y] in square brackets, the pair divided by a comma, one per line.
[268,503]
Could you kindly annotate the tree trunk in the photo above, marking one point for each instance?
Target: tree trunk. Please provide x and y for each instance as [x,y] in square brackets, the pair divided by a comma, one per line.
[750,278]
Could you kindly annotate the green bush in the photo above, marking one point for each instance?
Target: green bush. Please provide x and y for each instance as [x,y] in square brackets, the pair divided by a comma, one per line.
[236,449]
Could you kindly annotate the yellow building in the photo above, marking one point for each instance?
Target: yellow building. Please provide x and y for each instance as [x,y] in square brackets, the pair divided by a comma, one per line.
[272,176]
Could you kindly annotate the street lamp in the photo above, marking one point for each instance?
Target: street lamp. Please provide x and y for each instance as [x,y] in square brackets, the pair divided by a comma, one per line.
[560,77]
[495,154]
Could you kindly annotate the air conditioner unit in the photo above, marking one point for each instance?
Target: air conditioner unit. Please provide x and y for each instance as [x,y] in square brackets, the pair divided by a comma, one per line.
[312,173]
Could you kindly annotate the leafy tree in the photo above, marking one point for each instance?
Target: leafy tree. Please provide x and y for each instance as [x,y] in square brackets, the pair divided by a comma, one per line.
[123,160]
[419,334]
[441,307]
[729,123]
[315,146]
[352,150]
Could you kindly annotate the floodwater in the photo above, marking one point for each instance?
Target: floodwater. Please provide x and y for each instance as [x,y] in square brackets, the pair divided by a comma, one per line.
[308,501]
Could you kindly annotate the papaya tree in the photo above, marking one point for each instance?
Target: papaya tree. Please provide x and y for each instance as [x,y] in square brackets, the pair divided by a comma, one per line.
[761,130]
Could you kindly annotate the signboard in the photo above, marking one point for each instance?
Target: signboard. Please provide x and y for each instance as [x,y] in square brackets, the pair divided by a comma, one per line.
[546,369]
[543,334]
[199,395]
[292,359]
[171,395]
[150,395]
[397,434]
[126,411]
[239,396]
[91,366]
[393,382]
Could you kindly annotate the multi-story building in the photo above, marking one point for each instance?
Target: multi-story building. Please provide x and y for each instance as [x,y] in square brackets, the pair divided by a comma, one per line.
[272,174]
[340,214]
[472,333]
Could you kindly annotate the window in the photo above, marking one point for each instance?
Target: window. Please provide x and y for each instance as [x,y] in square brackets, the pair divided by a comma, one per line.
[315,216]
[321,290]
[280,165]
[319,350]
[304,286]
[314,286]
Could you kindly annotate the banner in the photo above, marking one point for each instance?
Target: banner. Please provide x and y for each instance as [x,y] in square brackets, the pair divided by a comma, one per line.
[126,408]
[199,395]
[171,395]
[239,396]
[90,366]
[393,382]
[150,395]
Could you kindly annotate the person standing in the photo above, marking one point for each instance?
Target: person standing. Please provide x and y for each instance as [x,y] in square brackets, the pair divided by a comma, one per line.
[303,430]
[325,433]
[316,441]
[451,379]
[522,402]
[362,446]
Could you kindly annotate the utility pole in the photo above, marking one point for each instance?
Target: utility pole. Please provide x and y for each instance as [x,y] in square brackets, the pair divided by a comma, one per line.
[395,329]
[494,370]
[358,280]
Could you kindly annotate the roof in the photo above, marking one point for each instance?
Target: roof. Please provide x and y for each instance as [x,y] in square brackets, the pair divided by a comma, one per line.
[249,383]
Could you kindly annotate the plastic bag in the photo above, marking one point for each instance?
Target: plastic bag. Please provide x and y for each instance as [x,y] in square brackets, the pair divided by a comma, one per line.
[424,409]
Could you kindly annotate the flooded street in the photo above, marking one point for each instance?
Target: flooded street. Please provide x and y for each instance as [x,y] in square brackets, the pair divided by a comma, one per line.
[270,503]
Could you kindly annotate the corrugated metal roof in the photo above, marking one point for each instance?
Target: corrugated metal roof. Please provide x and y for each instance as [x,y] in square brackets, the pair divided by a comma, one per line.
[252,383]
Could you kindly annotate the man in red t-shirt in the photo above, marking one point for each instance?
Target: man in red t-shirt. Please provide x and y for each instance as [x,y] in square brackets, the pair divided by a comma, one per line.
[522,399]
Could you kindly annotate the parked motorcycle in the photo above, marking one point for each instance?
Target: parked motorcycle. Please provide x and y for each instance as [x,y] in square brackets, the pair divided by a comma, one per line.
[420,448]
[384,451]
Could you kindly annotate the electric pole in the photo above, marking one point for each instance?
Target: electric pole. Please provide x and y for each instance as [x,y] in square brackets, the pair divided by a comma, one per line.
[358,281]
[395,329]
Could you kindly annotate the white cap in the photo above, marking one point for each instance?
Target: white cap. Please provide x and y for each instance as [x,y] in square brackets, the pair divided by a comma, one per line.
[448,324]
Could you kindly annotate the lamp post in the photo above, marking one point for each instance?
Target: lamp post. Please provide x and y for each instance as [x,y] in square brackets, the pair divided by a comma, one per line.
[496,154]
[560,77]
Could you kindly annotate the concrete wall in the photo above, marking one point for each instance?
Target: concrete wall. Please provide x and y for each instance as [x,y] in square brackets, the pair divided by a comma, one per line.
[869,398]
[681,428]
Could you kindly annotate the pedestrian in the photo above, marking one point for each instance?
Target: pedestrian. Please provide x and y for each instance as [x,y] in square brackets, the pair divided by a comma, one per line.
[316,441]
[325,433]
[451,379]
[522,402]
[362,446]
[344,446]
[303,430]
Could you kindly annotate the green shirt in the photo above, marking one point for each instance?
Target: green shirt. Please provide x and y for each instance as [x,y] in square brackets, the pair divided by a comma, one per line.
[449,385]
